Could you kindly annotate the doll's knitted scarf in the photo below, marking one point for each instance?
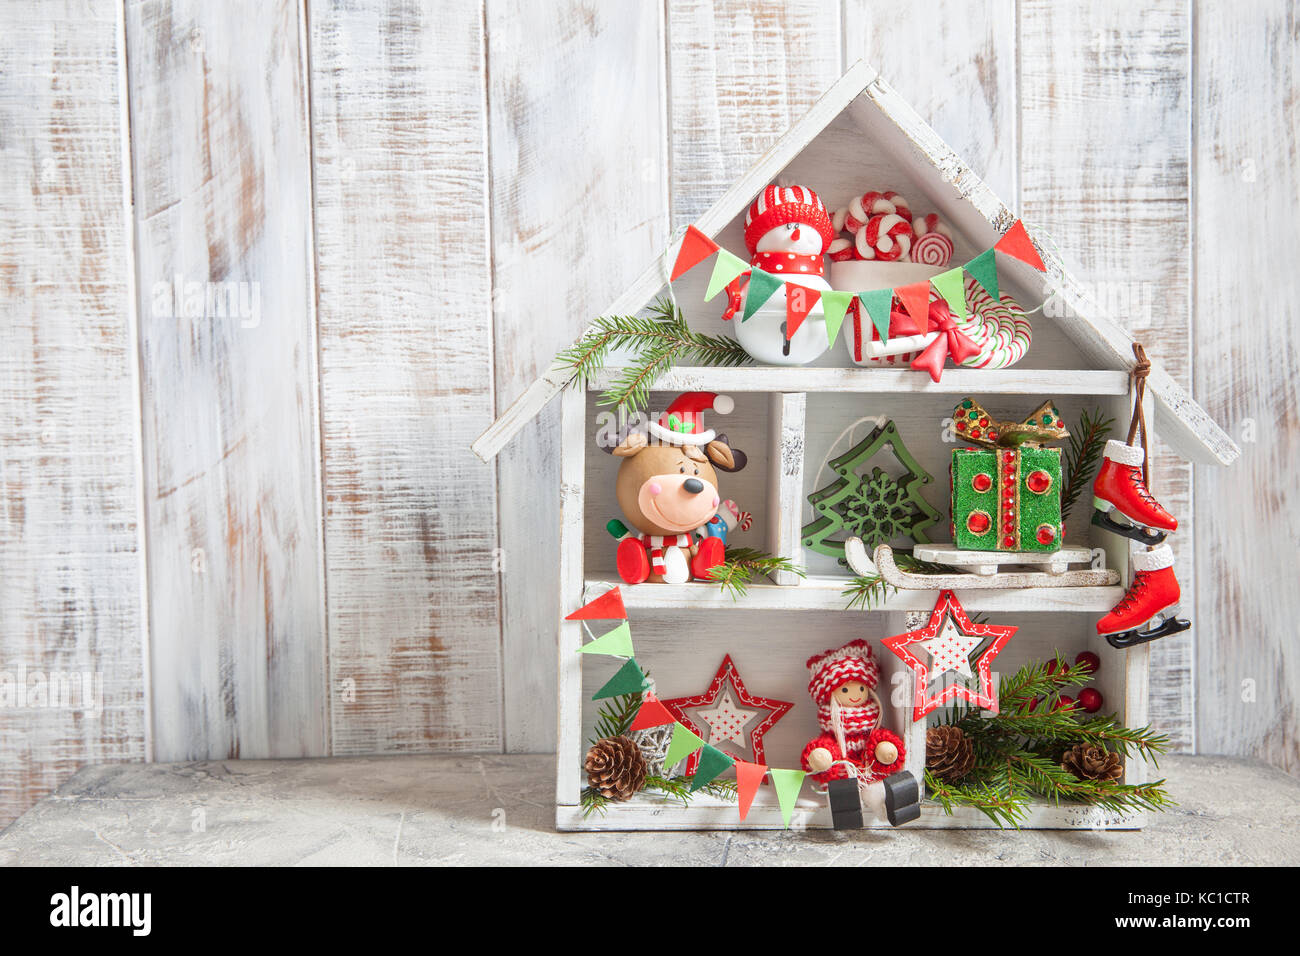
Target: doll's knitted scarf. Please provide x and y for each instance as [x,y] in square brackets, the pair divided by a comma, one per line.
[850,725]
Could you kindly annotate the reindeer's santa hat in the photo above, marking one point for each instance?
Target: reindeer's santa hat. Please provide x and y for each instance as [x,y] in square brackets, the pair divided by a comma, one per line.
[682,422]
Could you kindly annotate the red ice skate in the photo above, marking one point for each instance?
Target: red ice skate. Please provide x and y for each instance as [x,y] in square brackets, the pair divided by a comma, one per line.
[1120,487]
[1154,592]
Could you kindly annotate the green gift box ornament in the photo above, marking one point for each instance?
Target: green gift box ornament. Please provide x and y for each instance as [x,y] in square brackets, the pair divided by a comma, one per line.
[1006,494]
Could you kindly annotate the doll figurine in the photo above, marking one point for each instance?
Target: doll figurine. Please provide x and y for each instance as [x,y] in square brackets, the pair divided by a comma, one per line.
[667,486]
[853,752]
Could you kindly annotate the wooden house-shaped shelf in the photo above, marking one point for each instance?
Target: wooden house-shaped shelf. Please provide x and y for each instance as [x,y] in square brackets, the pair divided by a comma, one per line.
[790,420]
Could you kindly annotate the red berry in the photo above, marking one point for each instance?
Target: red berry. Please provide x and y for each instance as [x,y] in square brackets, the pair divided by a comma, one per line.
[1090,700]
[1091,659]
[1065,702]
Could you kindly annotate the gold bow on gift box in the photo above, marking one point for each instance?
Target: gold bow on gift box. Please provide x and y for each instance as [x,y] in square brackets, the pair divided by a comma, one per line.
[972,423]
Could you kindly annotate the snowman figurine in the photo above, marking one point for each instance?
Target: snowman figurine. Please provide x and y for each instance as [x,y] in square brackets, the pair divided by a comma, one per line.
[787,233]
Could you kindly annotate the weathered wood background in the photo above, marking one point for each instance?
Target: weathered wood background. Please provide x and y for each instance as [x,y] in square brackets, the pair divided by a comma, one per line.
[260,532]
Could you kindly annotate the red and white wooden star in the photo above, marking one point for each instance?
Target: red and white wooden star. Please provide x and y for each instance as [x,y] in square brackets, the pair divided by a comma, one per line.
[728,713]
[944,645]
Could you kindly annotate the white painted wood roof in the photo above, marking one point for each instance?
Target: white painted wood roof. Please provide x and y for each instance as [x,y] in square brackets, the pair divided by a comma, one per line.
[965,200]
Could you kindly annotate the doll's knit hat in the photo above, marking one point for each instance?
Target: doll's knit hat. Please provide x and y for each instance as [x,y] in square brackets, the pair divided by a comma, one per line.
[778,205]
[831,668]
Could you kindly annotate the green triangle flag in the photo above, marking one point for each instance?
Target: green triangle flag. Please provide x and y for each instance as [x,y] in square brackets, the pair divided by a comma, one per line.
[877,303]
[984,270]
[616,643]
[712,762]
[629,679]
[787,784]
[952,287]
[683,744]
[761,287]
[834,305]
[725,268]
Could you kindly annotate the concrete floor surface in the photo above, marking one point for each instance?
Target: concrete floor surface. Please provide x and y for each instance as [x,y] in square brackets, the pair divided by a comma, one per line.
[496,809]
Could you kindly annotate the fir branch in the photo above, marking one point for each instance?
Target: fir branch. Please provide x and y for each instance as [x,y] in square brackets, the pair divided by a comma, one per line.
[737,572]
[867,591]
[615,716]
[1087,441]
[657,342]
[1018,751]
[679,788]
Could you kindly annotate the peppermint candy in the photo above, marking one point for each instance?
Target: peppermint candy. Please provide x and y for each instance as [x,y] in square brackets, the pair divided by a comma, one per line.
[999,329]
[932,249]
[884,238]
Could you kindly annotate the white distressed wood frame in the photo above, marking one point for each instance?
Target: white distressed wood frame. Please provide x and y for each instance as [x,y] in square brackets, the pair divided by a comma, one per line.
[1123,678]
[785,481]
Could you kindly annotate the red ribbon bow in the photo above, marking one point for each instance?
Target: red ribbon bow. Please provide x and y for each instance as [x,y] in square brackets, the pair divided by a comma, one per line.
[951,341]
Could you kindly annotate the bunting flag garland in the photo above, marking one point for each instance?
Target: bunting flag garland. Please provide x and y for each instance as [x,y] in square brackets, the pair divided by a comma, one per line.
[748,777]
[787,784]
[799,301]
[834,305]
[607,607]
[761,286]
[916,300]
[629,679]
[878,302]
[651,714]
[725,719]
[984,270]
[725,268]
[1016,243]
[683,744]
[615,643]
[712,763]
[952,286]
[696,247]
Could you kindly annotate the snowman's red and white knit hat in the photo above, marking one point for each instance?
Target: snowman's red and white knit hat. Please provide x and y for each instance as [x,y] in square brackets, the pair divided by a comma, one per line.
[682,422]
[778,205]
[832,668]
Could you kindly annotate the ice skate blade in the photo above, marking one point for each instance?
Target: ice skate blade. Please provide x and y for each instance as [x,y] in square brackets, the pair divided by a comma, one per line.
[1141,535]
[1168,626]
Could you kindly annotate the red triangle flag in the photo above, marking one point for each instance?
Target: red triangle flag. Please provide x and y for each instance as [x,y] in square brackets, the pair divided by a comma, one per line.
[799,301]
[916,300]
[651,714]
[1015,242]
[696,247]
[748,777]
[607,607]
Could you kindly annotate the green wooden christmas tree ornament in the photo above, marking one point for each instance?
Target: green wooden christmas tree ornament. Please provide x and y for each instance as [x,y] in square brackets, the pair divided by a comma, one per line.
[869,504]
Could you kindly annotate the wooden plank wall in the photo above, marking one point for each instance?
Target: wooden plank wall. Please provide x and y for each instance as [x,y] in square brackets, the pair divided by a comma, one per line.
[250,522]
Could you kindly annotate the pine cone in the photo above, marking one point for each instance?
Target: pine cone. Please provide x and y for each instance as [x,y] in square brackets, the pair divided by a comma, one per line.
[1090,762]
[949,755]
[615,768]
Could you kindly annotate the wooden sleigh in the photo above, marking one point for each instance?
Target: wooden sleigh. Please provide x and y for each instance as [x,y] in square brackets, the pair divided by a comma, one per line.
[980,570]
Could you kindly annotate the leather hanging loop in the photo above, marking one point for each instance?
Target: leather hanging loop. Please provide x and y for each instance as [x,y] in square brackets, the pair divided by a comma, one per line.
[1138,423]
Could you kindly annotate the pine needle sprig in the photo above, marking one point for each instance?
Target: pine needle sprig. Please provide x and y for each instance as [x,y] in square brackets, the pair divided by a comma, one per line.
[1079,462]
[737,572]
[615,716]
[1018,750]
[657,342]
[679,788]
[868,591]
